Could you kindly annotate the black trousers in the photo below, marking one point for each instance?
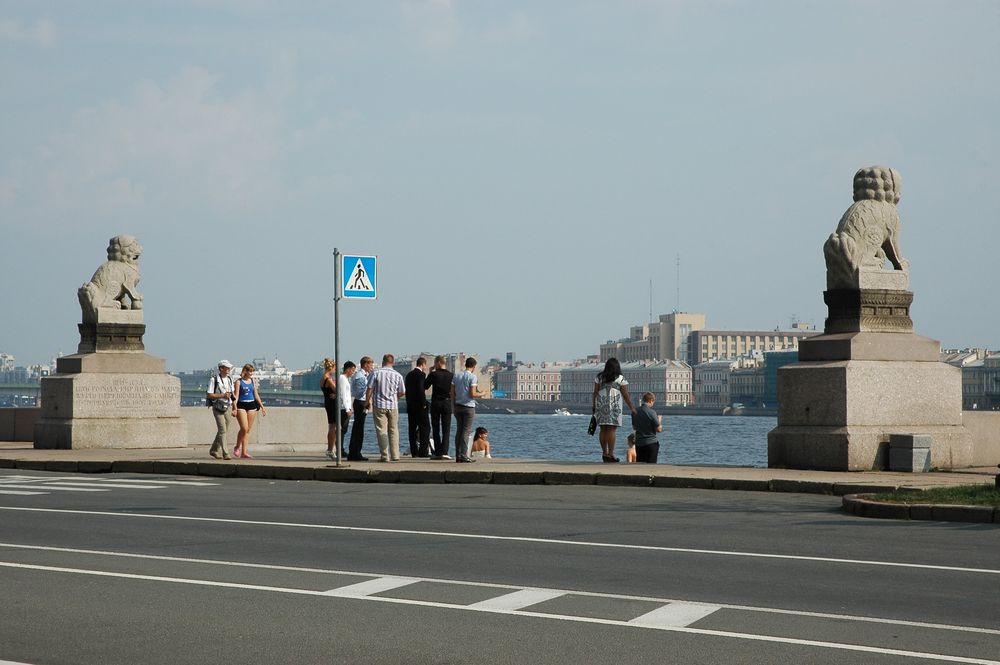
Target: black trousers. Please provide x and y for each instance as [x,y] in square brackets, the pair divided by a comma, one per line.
[345,420]
[464,417]
[441,423]
[647,453]
[419,426]
[358,431]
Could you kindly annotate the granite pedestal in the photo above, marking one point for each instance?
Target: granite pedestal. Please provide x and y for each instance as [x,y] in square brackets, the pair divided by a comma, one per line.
[867,378]
[111,394]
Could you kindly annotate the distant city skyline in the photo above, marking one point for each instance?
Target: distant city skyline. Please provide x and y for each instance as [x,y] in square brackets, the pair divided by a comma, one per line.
[522,172]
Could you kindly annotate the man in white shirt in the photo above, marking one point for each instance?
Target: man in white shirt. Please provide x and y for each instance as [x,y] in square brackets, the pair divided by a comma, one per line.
[385,387]
[219,395]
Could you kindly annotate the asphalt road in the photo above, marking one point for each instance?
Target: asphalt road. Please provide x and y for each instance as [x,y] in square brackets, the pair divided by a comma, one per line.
[158,569]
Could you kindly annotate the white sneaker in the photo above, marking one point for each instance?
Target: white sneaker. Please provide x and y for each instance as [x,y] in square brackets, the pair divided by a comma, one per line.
[330,455]
[445,456]
[488,456]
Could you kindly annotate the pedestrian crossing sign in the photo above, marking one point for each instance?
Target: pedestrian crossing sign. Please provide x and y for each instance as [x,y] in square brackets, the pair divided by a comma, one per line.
[360,278]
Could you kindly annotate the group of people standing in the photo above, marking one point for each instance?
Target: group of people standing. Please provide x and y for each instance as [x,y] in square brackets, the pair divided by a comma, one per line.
[366,390]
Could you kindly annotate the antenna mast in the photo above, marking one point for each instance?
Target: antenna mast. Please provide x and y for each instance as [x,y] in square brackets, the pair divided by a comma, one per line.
[677,306]
[650,299]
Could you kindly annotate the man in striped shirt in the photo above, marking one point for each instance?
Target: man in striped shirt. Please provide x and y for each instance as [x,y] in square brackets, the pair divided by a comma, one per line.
[385,387]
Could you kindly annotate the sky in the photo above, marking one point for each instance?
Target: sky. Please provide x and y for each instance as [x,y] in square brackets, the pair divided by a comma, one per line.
[523,171]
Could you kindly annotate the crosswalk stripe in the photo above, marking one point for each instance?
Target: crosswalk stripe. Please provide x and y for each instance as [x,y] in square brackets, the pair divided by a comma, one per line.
[518,599]
[675,615]
[66,479]
[369,587]
[191,483]
[20,493]
[66,483]
[56,487]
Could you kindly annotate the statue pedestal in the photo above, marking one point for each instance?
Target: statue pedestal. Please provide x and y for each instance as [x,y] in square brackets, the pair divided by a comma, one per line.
[114,396]
[853,388]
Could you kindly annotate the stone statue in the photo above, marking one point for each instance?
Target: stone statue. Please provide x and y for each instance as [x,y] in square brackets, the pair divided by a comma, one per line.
[868,233]
[113,286]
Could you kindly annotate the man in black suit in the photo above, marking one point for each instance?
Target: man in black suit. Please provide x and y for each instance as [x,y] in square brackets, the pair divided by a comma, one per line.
[417,415]
[439,381]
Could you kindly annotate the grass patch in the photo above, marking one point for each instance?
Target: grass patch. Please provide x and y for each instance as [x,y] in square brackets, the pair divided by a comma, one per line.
[964,495]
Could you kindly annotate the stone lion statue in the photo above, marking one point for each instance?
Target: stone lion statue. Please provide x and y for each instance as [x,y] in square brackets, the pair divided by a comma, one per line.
[113,286]
[868,233]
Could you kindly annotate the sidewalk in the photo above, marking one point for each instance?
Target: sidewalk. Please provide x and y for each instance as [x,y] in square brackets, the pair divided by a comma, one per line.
[291,465]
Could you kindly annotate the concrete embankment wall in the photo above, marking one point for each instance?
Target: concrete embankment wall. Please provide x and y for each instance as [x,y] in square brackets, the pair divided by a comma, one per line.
[302,428]
[296,427]
[288,425]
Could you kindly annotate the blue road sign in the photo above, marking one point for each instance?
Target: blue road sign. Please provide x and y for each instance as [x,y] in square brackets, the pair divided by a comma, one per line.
[360,277]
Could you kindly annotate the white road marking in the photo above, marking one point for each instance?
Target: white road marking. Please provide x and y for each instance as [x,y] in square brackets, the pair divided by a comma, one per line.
[578,619]
[675,614]
[55,487]
[68,483]
[19,493]
[369,587]
[10,662]
[492,585]
[518,600]
[521,539]
[192,483]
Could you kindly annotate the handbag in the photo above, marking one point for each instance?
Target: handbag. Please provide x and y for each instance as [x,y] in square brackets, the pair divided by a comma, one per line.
[220,404]
[592,427]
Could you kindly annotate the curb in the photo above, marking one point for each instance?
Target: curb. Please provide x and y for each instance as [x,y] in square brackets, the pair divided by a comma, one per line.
[265,470]
[859,505]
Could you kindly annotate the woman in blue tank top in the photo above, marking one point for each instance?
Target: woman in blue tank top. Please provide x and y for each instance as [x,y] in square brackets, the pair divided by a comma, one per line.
[248,402]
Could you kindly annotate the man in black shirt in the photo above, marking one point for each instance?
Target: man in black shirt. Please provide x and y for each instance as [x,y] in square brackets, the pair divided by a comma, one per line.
[416,411]
[646,424]
[441,407]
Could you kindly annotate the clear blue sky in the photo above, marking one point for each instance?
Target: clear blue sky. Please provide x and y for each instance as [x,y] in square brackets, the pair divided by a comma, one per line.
[522,170]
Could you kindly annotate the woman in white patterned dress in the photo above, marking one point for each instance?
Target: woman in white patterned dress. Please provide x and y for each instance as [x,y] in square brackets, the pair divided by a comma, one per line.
[610,389]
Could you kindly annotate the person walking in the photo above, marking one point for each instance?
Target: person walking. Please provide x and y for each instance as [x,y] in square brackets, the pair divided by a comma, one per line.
[328,385]
[359,396]
[464,391]
[647,423]
[220,398]
[385,388]
[248,402]
[417,416]
[610,389]
[439,381]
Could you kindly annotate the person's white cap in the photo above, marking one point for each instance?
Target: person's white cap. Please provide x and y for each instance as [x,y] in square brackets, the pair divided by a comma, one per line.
[225,363]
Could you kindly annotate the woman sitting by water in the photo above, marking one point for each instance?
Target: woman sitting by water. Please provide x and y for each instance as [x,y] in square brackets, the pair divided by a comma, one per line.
[610,388]
[481,443]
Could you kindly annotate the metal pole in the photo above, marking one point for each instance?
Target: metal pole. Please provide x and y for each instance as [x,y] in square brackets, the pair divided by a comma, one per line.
[336,347]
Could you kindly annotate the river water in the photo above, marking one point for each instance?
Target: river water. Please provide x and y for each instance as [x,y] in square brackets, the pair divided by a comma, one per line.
[697,440]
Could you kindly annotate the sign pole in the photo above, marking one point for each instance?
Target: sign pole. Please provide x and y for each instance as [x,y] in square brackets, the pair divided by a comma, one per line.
[336,347]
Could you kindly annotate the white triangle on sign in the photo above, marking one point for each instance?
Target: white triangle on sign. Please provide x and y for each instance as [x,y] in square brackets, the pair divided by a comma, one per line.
[359,281]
